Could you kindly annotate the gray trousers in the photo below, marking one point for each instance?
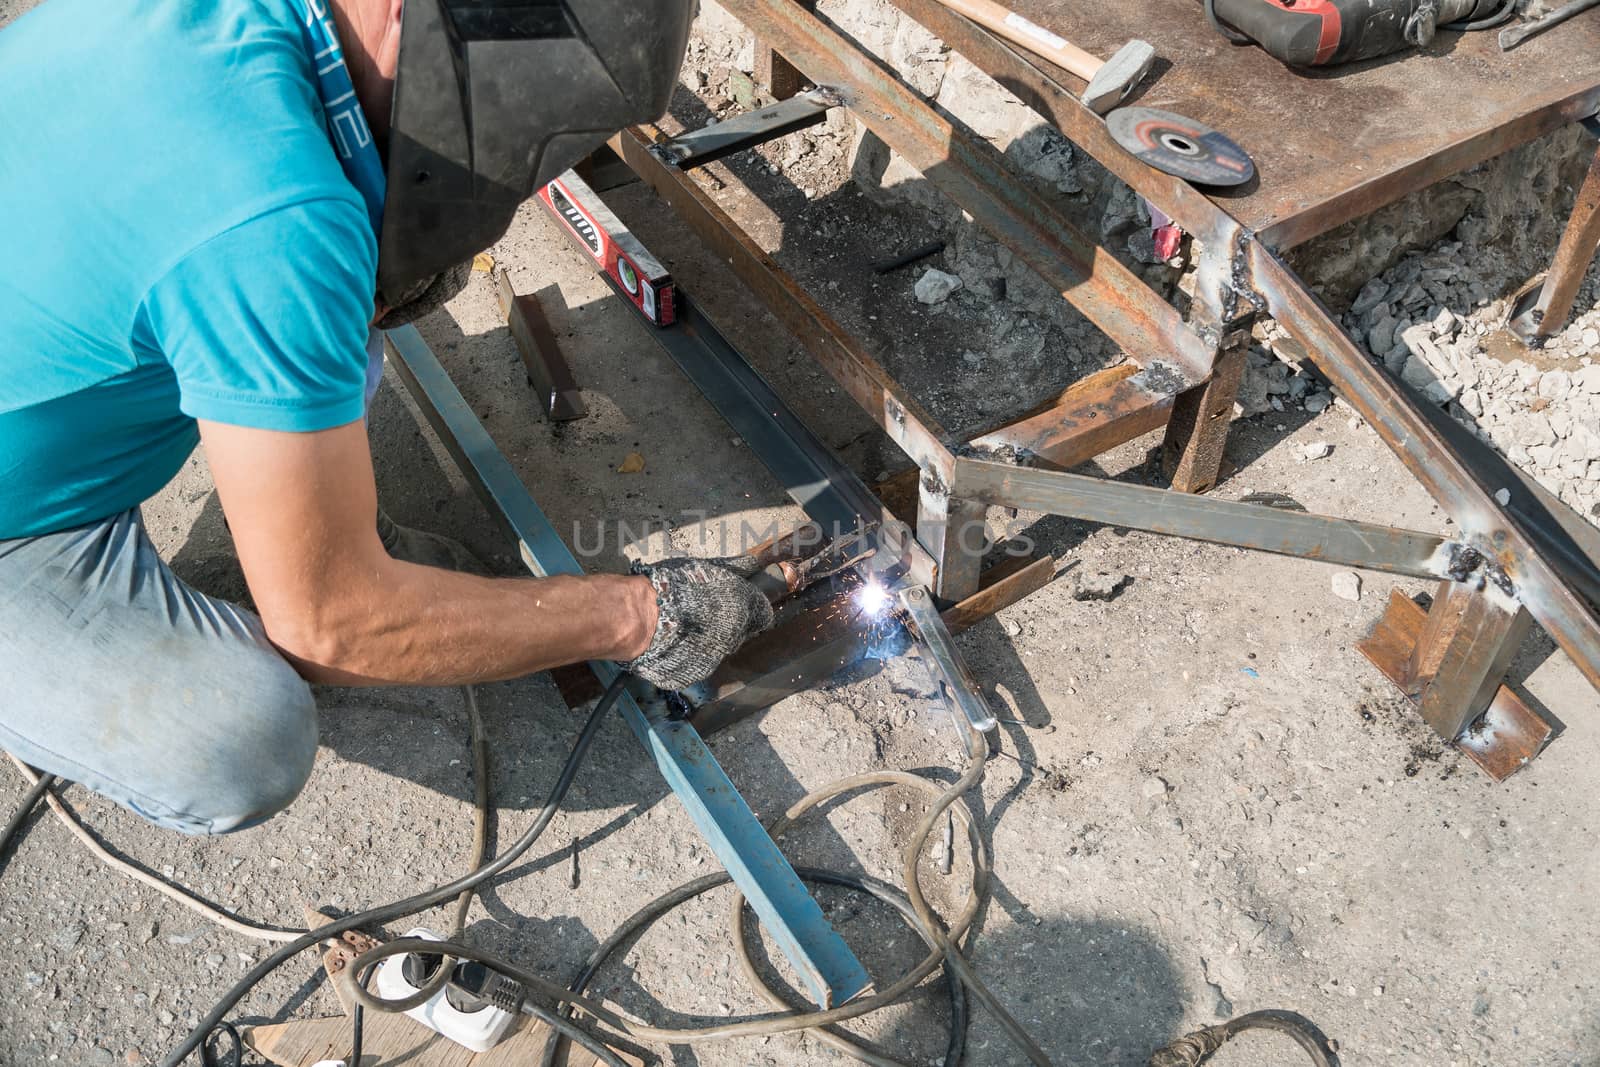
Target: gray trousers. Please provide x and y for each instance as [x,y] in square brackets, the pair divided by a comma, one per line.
[115,674]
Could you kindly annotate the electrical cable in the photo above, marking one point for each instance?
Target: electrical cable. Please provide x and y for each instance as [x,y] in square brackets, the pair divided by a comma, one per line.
[1505,11]
[30,801]
[946,943]
[480,842]
[1228,32]
[670,900]
[139,874]
[236,1055]
[417,902]
[1194,1049]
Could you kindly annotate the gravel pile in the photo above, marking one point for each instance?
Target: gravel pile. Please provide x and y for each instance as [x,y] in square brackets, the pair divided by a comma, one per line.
[1435,320]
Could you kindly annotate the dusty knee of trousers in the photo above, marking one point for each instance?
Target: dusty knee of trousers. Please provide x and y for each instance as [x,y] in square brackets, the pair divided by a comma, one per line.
[263,764]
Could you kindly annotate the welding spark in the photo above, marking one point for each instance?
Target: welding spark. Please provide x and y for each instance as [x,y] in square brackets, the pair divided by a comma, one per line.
[872,599]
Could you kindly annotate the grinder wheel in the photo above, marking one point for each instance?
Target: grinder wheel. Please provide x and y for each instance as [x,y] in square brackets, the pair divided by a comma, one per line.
[1180,146]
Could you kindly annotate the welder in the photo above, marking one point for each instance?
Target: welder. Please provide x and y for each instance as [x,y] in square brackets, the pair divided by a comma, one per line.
[208,211]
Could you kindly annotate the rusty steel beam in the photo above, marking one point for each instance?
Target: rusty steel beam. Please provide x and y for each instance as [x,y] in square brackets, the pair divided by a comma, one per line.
[779,76]
[956,534]
[548,370]
[1197,435]
[1500,738]
[1094,415]
[1467,645]
[1551,301]
[977,179]
[894,411]
[1396,414]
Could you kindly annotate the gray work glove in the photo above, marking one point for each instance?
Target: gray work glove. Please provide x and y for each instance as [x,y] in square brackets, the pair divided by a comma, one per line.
[708,608]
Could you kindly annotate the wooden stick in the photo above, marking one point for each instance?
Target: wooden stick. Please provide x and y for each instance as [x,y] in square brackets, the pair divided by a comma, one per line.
[1030,35]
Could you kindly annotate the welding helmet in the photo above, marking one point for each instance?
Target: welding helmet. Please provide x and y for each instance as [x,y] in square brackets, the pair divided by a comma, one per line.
[493,99]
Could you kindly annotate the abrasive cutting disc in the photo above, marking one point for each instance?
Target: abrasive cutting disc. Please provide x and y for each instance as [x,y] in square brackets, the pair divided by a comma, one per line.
[1180,146]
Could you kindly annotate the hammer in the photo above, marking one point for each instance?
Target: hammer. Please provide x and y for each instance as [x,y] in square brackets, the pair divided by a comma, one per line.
[1110,82]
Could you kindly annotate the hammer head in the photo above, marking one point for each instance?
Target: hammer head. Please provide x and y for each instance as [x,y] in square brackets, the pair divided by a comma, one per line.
[1119,76]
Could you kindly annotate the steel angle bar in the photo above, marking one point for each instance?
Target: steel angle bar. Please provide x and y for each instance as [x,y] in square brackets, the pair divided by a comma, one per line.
[830,492]
[896,413]
[1223,522]
[976,178]
[710,143]
[1397,416]
[825,964]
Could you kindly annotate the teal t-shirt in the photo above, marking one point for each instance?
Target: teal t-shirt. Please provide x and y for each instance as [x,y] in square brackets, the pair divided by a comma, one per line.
[177,241]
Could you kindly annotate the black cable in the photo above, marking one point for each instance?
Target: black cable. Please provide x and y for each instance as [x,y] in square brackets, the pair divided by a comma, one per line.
[235,1059]
[1506,10]
[635,924]
[30,801]
[1223,28]
[417,902]
[356,1020]
[1194,1049]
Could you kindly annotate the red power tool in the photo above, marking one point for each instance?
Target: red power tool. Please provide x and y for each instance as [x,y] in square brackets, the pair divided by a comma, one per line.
[1318,33]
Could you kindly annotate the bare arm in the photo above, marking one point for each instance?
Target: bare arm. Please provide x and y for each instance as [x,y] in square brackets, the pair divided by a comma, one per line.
[302,508]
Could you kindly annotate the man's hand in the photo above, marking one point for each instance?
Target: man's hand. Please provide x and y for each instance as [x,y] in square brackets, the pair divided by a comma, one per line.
[303,511]
[707,609]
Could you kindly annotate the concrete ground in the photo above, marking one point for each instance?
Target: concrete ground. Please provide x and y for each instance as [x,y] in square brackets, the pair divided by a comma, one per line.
[1208,801]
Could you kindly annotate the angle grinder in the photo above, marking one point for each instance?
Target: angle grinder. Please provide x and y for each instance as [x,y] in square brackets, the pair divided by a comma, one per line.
[1319,33]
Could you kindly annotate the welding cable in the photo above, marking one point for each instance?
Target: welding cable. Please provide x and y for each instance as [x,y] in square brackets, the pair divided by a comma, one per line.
[480,842]
[670,900]
[138,874]
[1506,10]
[235,1053]
[979,896]
[30,801]
[1192,1050]
[946,943]
[417,902]
[755,1026]
[1231,34]
[977,756]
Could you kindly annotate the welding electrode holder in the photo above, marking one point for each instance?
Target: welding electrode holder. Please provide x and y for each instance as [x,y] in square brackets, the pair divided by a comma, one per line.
[810,563]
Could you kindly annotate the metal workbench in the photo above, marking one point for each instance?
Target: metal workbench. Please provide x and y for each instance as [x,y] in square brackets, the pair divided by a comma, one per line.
[1332,145]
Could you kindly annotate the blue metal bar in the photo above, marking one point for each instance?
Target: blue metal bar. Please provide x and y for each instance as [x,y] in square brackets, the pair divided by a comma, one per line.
[827,967]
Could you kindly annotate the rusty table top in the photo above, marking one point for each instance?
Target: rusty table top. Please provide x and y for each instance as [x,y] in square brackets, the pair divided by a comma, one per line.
[1335,144]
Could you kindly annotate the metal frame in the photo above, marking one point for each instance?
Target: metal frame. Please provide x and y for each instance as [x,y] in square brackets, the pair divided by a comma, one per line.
[1532,554]
[1543,307]
[827,967]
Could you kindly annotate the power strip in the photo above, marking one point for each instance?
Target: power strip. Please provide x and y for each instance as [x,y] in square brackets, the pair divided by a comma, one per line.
[469,1022]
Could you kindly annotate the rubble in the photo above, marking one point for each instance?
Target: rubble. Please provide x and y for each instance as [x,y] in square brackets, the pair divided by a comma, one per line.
[935,286]
[1436,319]
[1097,586]
[1347,585]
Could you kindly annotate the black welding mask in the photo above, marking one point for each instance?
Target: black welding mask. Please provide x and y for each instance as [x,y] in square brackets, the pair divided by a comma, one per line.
[493,99]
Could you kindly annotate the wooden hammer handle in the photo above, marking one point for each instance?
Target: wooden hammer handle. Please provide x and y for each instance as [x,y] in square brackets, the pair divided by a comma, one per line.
[1035,38]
